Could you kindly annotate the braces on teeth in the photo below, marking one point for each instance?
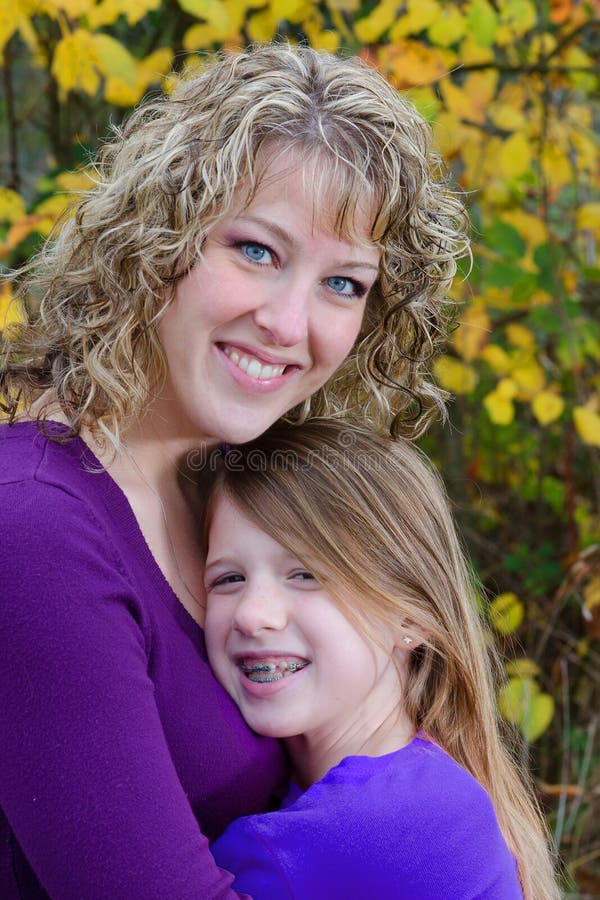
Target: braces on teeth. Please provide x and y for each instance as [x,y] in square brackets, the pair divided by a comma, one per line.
[271,671]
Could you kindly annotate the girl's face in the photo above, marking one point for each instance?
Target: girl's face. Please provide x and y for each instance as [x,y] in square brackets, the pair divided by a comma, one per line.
[265,317]
[281,646]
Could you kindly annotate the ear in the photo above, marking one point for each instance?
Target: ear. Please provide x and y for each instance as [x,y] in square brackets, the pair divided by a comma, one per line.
[409,636]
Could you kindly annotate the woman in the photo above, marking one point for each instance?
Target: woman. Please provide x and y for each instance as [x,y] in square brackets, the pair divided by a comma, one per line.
[273,238]
[341,617]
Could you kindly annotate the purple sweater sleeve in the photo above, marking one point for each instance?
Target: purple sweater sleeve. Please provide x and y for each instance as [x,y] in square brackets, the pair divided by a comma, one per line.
[94,739]
[408,825]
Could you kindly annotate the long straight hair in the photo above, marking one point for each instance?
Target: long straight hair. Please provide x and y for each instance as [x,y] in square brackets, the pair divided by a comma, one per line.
[371,520]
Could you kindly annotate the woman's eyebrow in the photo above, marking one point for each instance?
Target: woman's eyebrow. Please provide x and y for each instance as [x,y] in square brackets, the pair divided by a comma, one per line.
[293,243]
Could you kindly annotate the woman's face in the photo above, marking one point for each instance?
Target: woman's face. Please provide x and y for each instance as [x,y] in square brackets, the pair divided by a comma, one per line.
[281,646]
[265,317]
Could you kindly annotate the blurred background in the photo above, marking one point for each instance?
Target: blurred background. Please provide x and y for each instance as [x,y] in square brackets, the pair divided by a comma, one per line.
[511,90]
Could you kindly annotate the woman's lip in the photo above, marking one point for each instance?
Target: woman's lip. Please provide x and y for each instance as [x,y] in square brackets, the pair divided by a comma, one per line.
[267,359]
[255,385]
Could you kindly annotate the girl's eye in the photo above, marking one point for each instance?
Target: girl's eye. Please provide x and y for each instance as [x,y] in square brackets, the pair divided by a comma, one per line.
[256,253]
[304,576]
[346,287]
[233,578]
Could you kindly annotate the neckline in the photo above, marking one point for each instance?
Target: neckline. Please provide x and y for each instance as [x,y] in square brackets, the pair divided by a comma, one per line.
[119,508]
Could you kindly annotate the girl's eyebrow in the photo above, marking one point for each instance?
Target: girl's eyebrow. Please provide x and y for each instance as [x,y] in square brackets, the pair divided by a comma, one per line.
[289,239]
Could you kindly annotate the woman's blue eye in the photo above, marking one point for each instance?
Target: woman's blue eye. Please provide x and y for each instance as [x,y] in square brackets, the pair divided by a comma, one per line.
[257,253]
[344,286]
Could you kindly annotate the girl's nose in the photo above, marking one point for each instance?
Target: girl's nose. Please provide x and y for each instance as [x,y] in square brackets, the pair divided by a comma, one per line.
[283,317]
[259,610]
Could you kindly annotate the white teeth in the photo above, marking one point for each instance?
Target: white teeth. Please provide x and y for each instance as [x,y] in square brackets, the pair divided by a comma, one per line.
[252,366]
[272,670]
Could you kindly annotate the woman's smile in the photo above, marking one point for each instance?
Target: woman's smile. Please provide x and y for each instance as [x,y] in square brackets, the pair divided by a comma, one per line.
[267,314]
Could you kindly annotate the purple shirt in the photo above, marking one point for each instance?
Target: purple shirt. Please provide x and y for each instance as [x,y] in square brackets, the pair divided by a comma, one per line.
[411,825]
[120,754]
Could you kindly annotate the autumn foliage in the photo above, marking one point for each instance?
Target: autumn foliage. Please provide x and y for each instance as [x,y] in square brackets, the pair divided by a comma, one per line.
[511,89]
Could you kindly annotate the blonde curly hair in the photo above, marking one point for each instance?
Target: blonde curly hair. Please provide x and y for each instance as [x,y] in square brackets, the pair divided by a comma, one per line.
[175,170]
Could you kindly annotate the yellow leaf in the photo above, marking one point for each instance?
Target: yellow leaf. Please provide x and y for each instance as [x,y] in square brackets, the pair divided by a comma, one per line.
[344,5]
[556,166]
[12,206]
[448,27]
[10,17]
[530,227]
[537,717]
[506,613]
[540,45]
[81,180]
[410,63]
[591,594]
[547,407]
[587,424]
[530,379]
[519,336]
[50,210]
[73,8]
[515,156]
[321,38]
[371,27]
[121,93]
[450,133]
[519,15]
[75,62]
[454,375]
[515,695]
[471,53]
[419,15]
[262,25]
[506,117]
[105,13]
[10,313]
[521,701]
[114,60]
[588,217]
[135,10]
[500,409]
[507,389]
[587,152]
[473,333]
[497,358]
[522,668]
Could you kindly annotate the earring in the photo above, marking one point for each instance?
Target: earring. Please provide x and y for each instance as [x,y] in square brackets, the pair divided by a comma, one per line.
[407,640]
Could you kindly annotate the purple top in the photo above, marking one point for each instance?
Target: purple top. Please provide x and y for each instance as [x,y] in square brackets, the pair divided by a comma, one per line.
[117,745]
[411,825]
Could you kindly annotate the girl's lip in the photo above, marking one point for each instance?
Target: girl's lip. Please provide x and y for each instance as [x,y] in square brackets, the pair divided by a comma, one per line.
[255,385]
[264,689]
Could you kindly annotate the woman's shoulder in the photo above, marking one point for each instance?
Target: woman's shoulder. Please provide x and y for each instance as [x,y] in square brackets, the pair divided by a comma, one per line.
[30,455]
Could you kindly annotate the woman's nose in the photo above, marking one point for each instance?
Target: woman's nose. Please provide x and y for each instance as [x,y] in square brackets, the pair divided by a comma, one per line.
[259,609]
[283,317]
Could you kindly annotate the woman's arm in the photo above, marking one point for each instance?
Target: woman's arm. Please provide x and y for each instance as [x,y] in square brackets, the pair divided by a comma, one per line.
[87,781]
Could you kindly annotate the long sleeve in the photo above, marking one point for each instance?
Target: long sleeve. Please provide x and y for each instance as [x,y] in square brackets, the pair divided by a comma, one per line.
[408,825]
[94,726]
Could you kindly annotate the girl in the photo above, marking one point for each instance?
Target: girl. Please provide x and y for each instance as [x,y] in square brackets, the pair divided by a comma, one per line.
[272,237]
[341,616]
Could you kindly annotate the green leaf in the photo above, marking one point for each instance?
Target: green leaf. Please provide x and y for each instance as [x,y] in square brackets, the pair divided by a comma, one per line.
[504,275]
[483,22]
[505,239]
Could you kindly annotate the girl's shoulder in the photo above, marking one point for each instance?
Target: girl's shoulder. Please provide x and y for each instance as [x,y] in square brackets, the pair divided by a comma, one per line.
[409,824]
